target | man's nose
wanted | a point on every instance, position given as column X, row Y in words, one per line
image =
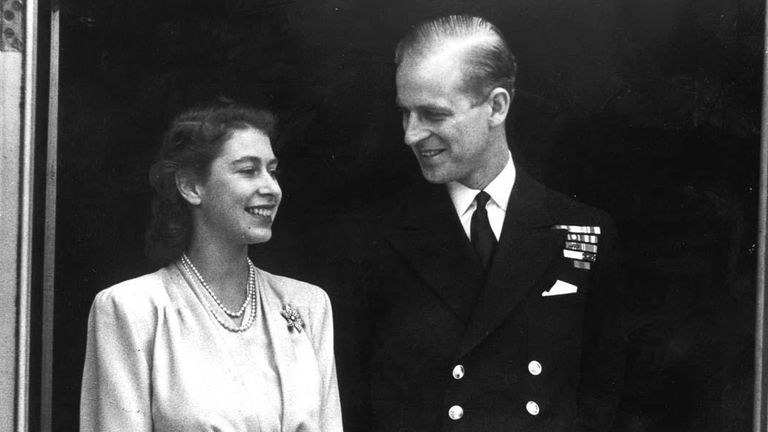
column 414, row 129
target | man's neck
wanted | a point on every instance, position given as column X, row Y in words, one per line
column 483, row 178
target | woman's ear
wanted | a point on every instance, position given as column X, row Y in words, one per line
column 189, row 187
column 500, row 101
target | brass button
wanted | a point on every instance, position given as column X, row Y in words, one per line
column 458, row 372
column 456, row 412
column 534, row 367
column 532, row 408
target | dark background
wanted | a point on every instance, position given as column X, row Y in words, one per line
column 647, row 109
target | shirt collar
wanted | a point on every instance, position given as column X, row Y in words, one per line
column 499, row 189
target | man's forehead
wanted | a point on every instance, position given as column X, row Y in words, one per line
column 430, row 89
column 429, row 85
column 432, row 104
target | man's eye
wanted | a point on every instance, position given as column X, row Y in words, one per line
column 433, row 116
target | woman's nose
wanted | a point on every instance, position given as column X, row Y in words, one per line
column 270, row 186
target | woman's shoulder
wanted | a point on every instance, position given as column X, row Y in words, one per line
column 141, row 293
column 297, row 292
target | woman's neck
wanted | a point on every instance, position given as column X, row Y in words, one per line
column 223, row 267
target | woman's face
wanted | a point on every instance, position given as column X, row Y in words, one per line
column 239, row 200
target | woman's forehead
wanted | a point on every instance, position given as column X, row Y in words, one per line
column 247, row 142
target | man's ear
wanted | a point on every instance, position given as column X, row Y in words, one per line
column 500, row 101
column 189, row 187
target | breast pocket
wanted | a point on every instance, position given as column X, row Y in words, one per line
column 556, row 314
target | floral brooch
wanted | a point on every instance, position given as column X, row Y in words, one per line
column 293, row 317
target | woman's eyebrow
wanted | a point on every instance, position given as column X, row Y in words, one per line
column 255, row 159
column 246, row 159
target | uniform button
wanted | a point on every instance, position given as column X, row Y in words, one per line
column 532, row 408
column 456, row 412
column 458, row 372
column 534, row 367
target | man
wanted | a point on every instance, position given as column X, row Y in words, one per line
column 494, row 303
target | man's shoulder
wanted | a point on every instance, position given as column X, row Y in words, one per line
column 570, row 214
column 572, row 209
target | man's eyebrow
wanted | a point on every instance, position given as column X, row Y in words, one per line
column 435, row 108
column 427, row 107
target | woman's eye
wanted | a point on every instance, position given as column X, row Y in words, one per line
column 247, row 171
column 274, row 173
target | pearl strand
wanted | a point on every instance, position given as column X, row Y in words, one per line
column 250, row 297
column 247, row 321
column 187, row 262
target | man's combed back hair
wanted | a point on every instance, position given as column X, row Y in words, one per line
column 488, row 61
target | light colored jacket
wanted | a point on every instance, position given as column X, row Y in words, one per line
column 157, row 360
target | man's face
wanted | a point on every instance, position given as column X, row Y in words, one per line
column 445, row 127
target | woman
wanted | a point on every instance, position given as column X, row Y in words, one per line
column 210, row 342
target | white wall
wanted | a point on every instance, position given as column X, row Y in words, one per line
column 18, row 48
column 10, row 197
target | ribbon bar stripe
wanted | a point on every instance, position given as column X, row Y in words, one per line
column 582, row 256
column 582, row 265
column 584, row 238
column 581, row 247
column 576, row 229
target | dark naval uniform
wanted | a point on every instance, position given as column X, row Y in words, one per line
column 536, row 344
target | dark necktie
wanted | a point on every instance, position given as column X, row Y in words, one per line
column 480, row 230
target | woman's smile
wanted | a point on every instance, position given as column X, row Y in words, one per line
column 262, row 212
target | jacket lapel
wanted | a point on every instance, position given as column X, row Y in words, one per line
column 430, row 238
column 526, row 248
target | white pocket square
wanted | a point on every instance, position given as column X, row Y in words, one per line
column 560, row 288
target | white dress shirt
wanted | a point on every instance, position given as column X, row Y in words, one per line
column 499, row 189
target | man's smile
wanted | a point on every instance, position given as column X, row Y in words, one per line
column 429, row 153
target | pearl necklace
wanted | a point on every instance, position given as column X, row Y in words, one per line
column 250, row 298
column 187, row 262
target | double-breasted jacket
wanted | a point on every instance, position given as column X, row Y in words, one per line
column 534, row 343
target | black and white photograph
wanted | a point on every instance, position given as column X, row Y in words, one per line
column 422, row 216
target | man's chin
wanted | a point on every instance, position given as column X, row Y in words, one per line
column 435, row 177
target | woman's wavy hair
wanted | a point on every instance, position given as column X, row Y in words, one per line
column 191, row 143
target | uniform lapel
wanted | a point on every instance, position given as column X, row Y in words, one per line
column 527, row 246
column 430, row 238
